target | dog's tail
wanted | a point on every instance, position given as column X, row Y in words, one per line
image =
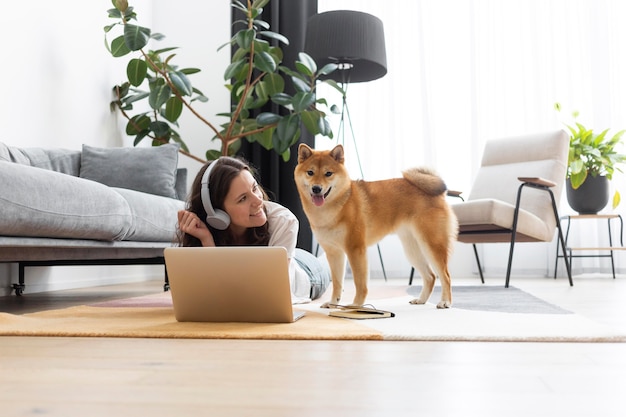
column 426, row 180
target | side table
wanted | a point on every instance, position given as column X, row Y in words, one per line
column 610, row 249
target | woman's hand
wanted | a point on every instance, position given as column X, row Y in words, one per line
column 191, row 224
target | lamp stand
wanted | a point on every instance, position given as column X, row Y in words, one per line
column 341, row 136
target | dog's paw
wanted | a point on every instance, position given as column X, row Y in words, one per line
column 417, row 301
column 330, row 304
column 444, row 304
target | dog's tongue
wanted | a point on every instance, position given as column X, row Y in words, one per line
column 318, row 200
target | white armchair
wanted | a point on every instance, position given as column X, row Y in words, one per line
column 515, row 195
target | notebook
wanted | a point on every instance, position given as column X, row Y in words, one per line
column 230, row 284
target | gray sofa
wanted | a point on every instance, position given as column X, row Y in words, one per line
column 97, row 206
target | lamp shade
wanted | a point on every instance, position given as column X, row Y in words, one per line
column 354, row 40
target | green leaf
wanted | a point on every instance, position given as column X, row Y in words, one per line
column 136, row 37
column 161, row 129
column 261, row 91
column 277, row 53
column 140, row 136
column 234, row 68
column 310, row 120
column 265, row 62
column 189, row 71
column 266, row 118
column 114, row 14
column 239, row 5
column 576, row 165
column 159, row 94
column 137, row 124
column 578, row 178
column 261, row 45
column 286, row 155
column 173, row 109
column 335, row 109
column 303, row 69
column 334, row 85
column 324, row 127
column 181, row 82
column 308, row 62
column 259, row 4
column 120, row 5
column 136, row 71
column 327, row 69
column 302, row 101
column 264, row 138
column 274, row 35
column 282, row 99
column 286, row 131
column 164, row 50
column 273, row 84
column 118, row 47
column 136, row 97
column 244, row 38
column 300, row 85
column 213, row 154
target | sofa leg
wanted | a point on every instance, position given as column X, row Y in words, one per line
column 19, row 287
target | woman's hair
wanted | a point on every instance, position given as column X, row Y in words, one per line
column 221, row 177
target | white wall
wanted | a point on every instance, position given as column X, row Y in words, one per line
column 57, row 85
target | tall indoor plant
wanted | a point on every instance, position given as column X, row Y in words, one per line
column 592, row 161
column 255, row 77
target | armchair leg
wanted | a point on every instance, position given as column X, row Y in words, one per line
column 508, row 267
column 558, row 225
column 562, row 241
column 480, row 269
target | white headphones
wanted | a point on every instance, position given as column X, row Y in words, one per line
column 218, row 219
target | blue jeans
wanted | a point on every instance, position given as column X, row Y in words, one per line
column 317, row 269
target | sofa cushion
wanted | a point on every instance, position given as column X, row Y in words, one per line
column 38, row 202
column 154, row 217
column 151, row 170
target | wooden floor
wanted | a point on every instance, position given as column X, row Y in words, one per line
column 152, row 377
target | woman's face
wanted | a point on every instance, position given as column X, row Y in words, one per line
column 244, row 203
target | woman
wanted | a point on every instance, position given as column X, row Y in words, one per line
column 227, row 207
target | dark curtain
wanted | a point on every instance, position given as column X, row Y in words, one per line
column 287, row 17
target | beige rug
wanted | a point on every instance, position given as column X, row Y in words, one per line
column 152, row 317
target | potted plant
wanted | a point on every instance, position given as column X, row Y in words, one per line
column 254, row 78
column 591, row 163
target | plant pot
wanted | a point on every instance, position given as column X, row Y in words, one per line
column 591, row 197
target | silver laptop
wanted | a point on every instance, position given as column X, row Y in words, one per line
column 230, row 284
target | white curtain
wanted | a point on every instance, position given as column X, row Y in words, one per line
column 464, row 71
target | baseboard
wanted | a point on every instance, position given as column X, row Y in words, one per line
column 45, row 279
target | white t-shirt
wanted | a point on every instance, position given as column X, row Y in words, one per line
column 283, row 227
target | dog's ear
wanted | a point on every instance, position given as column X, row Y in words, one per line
column 304, row 152
column 337, row 153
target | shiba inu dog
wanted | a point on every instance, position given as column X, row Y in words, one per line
column 347, row 216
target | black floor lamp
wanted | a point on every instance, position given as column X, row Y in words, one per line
column 355, row 41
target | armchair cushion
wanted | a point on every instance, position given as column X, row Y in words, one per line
column 491, row 215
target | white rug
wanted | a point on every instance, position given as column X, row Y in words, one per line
column 481, row 313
